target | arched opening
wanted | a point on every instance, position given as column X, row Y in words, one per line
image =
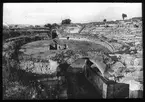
column 54, row 34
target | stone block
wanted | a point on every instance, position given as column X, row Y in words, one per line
column 136, row 94
column 107, row 88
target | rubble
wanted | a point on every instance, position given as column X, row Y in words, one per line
column 118, row 69
column 136, row 75
column 117, row 65
column 135, row 81
column 40, row 67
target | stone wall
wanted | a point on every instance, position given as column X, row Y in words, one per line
column 10, row 55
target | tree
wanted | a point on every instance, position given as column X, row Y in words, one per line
column 54, row 25
column 16, row 26
column 48, row 25
column 105, row 22
column 124, row 15
column 31, row 26
column 37, row 26
column 66, row 21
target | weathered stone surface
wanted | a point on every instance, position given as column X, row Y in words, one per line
column 53, row 66
column 125, row 58
column 132, row 48
column 136, row 75
column 135, row 80
column 39, row 67
column 136, row 94
column 108, row 88
column 134, row 85
column 116, row 66
column 100, row 65
column 138, row 61
column 77, row 65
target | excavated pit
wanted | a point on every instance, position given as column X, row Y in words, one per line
column 35, row 58
column 32, row 54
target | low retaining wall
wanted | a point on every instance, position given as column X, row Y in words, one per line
column 12, row 45
column 103, row 43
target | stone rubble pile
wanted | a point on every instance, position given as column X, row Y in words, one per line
column 127, row 41
column 128, row 69
column 125, row 65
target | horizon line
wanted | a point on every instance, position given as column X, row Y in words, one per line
column 74, row 22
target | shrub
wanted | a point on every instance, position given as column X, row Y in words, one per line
column 48, row 25
column 124, row 15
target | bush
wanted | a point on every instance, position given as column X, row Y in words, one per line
column 48, row 25
column 54, row 25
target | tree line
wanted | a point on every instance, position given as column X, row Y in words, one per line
column 55, row 25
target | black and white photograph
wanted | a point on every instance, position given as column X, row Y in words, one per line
column 62, row 50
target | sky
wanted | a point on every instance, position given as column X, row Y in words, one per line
column 42, row 13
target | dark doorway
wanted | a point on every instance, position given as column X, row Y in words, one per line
column 54, row 34
column 53, row 47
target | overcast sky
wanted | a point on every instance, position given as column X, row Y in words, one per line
column 42, row 13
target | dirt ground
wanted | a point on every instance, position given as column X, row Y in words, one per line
column 40, row 48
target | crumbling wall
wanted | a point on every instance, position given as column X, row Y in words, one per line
column 10, row 54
